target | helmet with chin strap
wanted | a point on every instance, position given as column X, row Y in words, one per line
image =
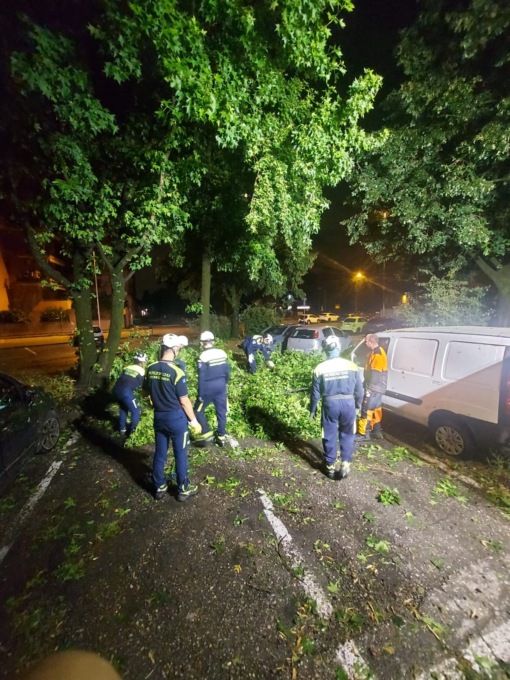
column 330, row 344
column 171, row 341
column 207, row 337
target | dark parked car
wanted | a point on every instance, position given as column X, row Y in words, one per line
column 98, row 337
column 28, row 424
column 379, row 323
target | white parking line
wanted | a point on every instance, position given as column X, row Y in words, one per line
column 312, row 588
column 352, row 662
column 493, row 645
column 29, row 506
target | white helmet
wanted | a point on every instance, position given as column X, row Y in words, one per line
column 330, row 343
column 183, row 340
column 140, row 356
column 207, row 336
column 171, row 340
column 268, row 339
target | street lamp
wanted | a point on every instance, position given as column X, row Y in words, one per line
column 358, row 279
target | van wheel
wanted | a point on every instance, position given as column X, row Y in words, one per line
column 453, row 438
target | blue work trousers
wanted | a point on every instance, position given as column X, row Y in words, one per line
column 128, row 404
column 171, row 427
column 338, row 416
column 251, row 358
column 218, row 397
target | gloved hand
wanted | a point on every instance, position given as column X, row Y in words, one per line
column 312, row 415
column 270, row 364
column 195, row 427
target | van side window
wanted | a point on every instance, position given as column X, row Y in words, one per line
column 465, row 358
column 415, row 355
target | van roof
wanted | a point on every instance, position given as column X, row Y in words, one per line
column 493, row 331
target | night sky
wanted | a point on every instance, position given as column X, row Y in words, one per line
column 368, row 41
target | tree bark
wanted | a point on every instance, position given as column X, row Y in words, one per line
column 233, row 296
column 205, row 295
column 116, row 324
column 500, row 277
column 82, row 298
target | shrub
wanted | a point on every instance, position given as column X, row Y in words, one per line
column 272, row 404
column 255, row 319
column 54, row 314
column 219, row 325
column 13, row 316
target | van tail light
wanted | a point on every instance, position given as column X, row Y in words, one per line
column 316, row 335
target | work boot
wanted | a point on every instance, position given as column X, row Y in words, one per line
column 203, row 439
column 330, row 471
column 345, row 469
column 187, row 492
column 160, row 492
column 362, row 437
column 376, row 434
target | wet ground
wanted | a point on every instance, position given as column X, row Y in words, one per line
column 272, row 571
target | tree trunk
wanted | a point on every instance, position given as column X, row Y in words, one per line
column 233, row 296
column 82, row 297
column 500, row 277
column 205, row 295
column 116, row 324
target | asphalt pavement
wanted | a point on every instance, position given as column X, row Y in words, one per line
column 272, row 571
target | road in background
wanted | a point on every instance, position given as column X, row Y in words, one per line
column 53, row 354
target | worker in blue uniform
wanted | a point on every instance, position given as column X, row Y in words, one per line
column 165, row 383
column 213, row 377
column 337, row 382
column 254, row 344
column 124, row 390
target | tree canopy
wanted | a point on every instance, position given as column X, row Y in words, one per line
column 438, row 188
column 109, row 108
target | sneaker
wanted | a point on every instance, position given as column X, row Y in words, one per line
column 190, row 490
column 223, row 440
column 161, row 492
column 331, row 471
column 345, row 469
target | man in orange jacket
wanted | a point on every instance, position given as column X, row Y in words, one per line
column 375, row 382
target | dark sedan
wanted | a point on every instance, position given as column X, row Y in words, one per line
column 28, row 424
column 379, row 323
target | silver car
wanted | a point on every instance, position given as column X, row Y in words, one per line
column 279, row 332
column 310, row 339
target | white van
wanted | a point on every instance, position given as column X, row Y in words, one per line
column 455, row 380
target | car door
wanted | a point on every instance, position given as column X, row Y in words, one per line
column 17, row 428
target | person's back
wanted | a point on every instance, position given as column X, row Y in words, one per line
column 160, row 382
column 338, row 376
column 213, row 377
column 212, row 366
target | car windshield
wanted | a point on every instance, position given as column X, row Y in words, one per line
column 275, row 330
column 305, row 333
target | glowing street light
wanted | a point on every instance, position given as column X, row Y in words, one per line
column 358, row 279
